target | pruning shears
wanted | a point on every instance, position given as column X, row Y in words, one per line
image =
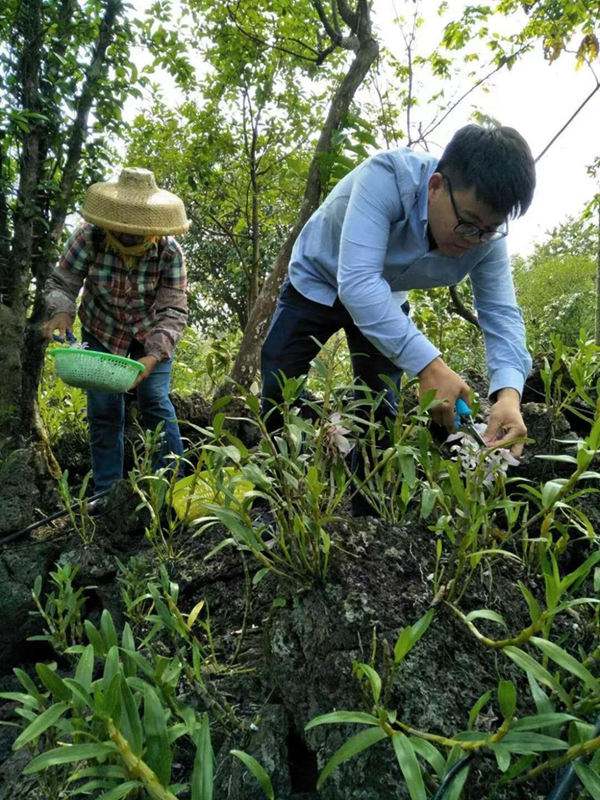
column 70, row 337
column 463, row 421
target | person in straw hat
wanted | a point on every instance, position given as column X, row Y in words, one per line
column 133, row 304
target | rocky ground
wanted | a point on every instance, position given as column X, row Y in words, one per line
column 297, row 653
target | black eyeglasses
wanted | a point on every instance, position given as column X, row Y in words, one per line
column 468, row 229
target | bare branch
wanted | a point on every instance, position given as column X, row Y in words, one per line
column 569, row 121
column 428, row 131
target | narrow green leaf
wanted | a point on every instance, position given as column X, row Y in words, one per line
column 131, row 725
column 535, row 611
column 95, row 639
column 112, row 667
column 540, row 673
column 372, row 677
column 85, row 668
column 551, row 490
column 45, row 720
column 108, row 630
column 568, row 662
column 356, row 744
column 486, row 613
column 27, row 684
column 524, row 743
column 257, row 770
column 122, row 790
column 589, row 778
column 477, row 706
column 158, row 754
column 342, row 717
column 204, row 762
column 53, row 682
column 430, row 753
column 541, row 721
column 409, row 766
column 69, row 754
column 502, row 755
column 19, row 697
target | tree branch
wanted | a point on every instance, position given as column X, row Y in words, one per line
column 460, row 308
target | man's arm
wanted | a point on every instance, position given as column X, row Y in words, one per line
column 508, row 360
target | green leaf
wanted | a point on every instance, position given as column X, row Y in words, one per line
column 430, row 753
column 27, row 684
column 477, row 706
column 454, row 791
column 342, row 717
column 130, row 724
column 540, row 673
column 409, row 766
column 507, row 698
column 485, row 613
column 535, row 611
column 257, row 770
column 69, row 754
column 589, row 778
column 45, row 720
column 372, row 677
column 204, row 762
column 411, row 635
column 53, row 682
column 158, row 753
column 502, row 755
column 356, row 744
column 95, row 639
column 540, row 721
column 568, row 662
column 551, row 490
column 85, row 668
column 580, row 573
column 121, row 791
column 524, row 742
column 107, row 629
column 112, row 667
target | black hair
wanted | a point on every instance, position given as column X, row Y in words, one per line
column 495, row 161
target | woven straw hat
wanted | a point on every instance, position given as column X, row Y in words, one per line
column 134, row 204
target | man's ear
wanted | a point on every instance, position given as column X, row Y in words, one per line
column 436, row 182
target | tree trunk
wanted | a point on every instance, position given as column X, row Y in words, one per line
column 31, row 342
column 246, row 363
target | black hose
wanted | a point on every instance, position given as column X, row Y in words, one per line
column 449, row 777
column 57, row 515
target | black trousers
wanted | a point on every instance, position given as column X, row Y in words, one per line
column 298, row 329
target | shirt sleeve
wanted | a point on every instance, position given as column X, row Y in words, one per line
column 375, row 202
column 171, row 306
column 66, row 279
column 501, row 320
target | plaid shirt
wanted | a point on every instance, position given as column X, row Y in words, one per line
column 147, row 302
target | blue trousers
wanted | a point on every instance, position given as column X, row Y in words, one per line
column 106, row 419
column 298, row 330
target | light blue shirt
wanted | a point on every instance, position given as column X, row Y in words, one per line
column 368, row 244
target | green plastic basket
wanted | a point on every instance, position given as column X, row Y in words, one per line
column 90, row 369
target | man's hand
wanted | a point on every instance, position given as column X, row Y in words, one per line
column 449, row 386
column 505, row 422
column 62, row 323
column 149, row 363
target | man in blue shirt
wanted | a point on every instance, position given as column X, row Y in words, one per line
column 402, row 220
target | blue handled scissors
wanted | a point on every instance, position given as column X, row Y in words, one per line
column 463, row 420
column 70, row 337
